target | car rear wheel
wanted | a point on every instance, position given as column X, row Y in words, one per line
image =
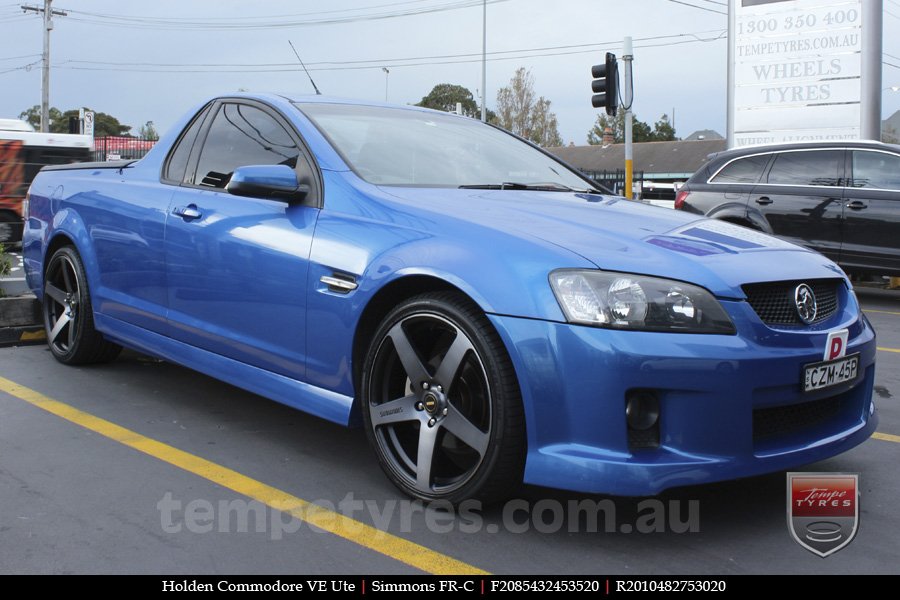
column 68, row 316
column 441, row 402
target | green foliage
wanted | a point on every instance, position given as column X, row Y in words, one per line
column 444, row 97
column 662, row 131
column 5, row 262
column 104, row 124
column 521, row 113
column 148, row 131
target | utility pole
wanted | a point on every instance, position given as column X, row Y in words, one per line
column 627, row 100
column 387, row 72
column 483, row 58
column 48, row 12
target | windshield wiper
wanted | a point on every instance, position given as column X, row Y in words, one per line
column 512, row 185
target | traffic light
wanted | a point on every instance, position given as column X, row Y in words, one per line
column 605, row 85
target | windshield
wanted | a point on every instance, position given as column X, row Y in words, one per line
column 396, row 146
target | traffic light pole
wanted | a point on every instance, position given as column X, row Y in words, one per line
column 627, row 98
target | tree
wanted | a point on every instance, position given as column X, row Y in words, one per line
column 662, row 131
column 544, row 126
column 33, row 116
column 148, row 131
column 519, row 112
column 444, row 96
column 104, row 124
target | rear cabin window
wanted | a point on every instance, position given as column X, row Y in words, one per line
column 743, row 170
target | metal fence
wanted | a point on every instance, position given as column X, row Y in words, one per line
column 614, row 181
column 121, row 148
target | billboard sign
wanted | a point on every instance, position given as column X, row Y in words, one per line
column 795, row 70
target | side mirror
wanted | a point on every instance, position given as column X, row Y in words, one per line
column 275, row 182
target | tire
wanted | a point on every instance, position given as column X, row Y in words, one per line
column 441, row 403
column 68, row 315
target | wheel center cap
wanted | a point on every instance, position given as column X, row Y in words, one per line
column 431, row 402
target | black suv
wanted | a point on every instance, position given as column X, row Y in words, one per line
column 839, row 198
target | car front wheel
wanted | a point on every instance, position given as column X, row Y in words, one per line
column 441, row 402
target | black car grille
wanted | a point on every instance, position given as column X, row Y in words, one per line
column 774, row 302
column 779, row 420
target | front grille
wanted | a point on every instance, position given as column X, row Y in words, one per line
column 774, row 301
column 779, row 420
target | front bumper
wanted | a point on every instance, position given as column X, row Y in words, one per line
column 711, row 389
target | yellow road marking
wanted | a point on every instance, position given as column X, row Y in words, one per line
column 887, row 437
column 889, row 349
column 881, row 312
column 390, row 545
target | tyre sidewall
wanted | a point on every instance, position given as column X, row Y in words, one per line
column 84, row 304
column 503, row 394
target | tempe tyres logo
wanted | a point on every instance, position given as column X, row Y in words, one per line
column 823, row 510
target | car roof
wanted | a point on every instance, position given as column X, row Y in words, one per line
column 301, row 99
column 781, row 147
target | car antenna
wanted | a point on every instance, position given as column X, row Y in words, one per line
column 297, row 54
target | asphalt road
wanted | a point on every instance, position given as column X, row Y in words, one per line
column 144, row 467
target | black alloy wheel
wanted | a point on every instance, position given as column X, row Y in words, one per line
column 442, row 405
column 68, row 316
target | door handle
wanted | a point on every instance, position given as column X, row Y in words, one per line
column 764, row 200
column 188, row 213
column 857, row 205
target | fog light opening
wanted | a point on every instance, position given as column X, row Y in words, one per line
column 641, row 410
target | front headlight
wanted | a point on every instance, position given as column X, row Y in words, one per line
column 625, row 301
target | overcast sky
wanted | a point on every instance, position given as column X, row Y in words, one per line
column 142, row 61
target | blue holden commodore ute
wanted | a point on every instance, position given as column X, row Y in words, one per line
column 486, row 313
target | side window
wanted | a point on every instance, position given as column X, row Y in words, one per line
column 743, row 170
column 877, row 170
column 817, row 167
column 242, row 135
column 178, row 160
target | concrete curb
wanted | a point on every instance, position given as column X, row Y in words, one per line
column 20, row 311
column 22, row 336
column 14, row 287
column 20, row 321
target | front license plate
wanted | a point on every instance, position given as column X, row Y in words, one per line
column 825, row 374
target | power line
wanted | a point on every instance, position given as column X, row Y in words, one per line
column 210, row 19
column 21, row 68
column 718, row 12
column 18, row 57
column 377, row 62
column 206, row 25
column 351, row 66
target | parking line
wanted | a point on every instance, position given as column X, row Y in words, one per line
column 889, row 349
column 887, row 437
column 389, row 545
column 881, row 312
